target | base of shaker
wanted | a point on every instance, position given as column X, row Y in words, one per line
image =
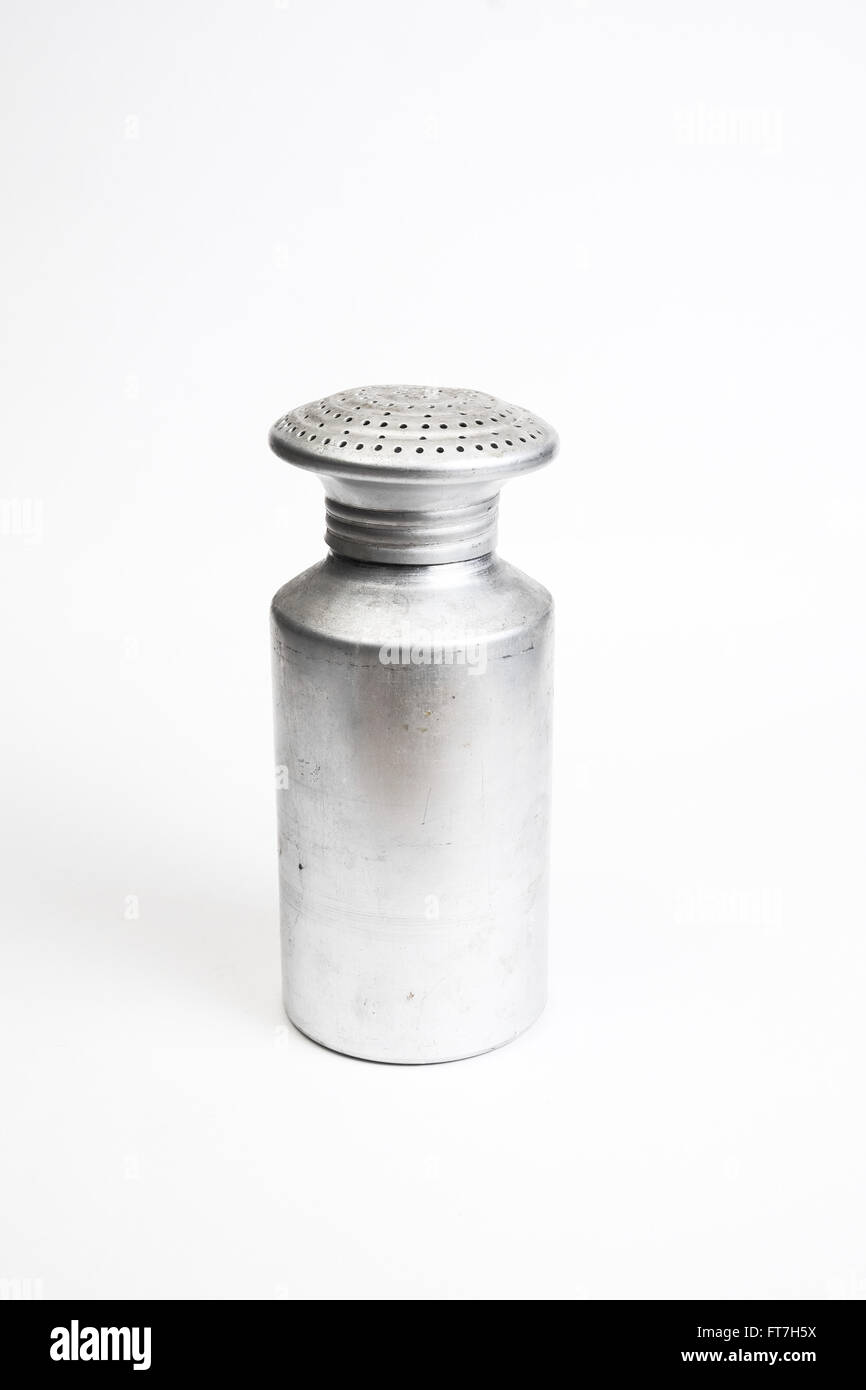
column 416, row 1061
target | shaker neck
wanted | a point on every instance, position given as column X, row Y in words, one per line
column 431, row 536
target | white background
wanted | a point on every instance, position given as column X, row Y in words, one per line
column 645, row 222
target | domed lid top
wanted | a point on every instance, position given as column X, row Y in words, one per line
column 414, row 434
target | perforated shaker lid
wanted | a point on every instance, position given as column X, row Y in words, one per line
column 412, row 473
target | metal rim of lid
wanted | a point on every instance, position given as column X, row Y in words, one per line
column 414, row 434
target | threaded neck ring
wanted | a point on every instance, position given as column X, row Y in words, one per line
column 429, row 537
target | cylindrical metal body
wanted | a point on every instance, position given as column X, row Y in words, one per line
column 413, row 726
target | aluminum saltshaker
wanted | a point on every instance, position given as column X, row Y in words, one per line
column 412, row 691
